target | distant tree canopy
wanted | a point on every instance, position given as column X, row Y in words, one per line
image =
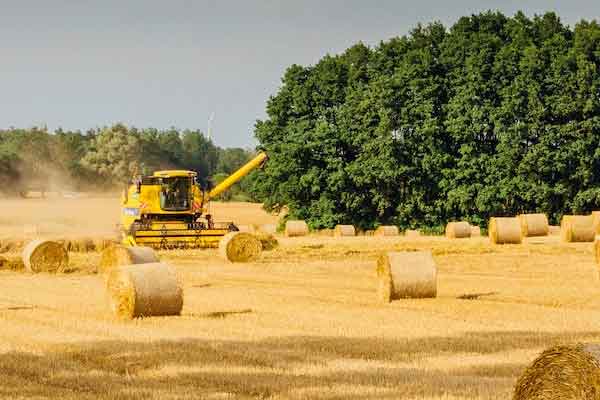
column 106, row 157
column 493, row 116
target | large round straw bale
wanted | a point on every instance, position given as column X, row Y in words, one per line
column 534, row 225
column 370, row 232
column 458, row 230
column 596, row 216
column 64, row 243
column 144, row 290
column 118, row 255
column 246, row 228
column 475, row 231
column 387, row 230
column 577, row 228
column 240, row 247
column 505, row 230
column 267, row 240
column 562, row 372
column 344, row 230
column 268, row 228
column 45, row 256
column 406, row 275
column 296, row 228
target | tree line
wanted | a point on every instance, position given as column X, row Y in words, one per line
column 107, row 157
column 492, row 116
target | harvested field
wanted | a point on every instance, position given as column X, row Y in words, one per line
column 301, row 322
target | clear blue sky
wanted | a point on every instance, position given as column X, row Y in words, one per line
column 80, row 64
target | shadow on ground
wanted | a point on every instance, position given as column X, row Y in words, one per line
column 290, row 367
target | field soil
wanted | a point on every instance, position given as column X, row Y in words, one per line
column 303, row 322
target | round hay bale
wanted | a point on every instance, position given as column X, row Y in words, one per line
column 534, row 225
column 296, row 228
column 387, row 230
column 475, row 231
column 144, row 290
column 596, row 216
column 118, row 255
column 562, row 372
column 577, row 228
column 458, row 230
column 370, row 232
column 45, row 256
column 268, row 228
column 344, row 230
column 504, row 230
column 246, row 228
column 407, row 274
column 240, row 247
column 267, row 240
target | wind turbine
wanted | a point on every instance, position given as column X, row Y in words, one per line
column 210, row 120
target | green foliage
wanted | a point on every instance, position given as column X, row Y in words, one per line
column 493, row 116
column 113, row 153
column 232, row 159
column 108, row 157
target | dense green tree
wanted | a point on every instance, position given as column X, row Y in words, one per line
column 199, row 154
column 114, row 153
column 494, row 116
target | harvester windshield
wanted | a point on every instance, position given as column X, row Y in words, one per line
column 175, row 193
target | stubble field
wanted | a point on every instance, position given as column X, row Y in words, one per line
column 301, row 323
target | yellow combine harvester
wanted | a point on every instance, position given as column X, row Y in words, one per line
column 170, row 210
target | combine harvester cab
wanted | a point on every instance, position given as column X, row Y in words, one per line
column 170, row 210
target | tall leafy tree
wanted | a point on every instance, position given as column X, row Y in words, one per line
column 494, row 116
column 114, row 153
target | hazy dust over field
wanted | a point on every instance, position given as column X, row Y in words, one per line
column 302, row 322
column 83, row 214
